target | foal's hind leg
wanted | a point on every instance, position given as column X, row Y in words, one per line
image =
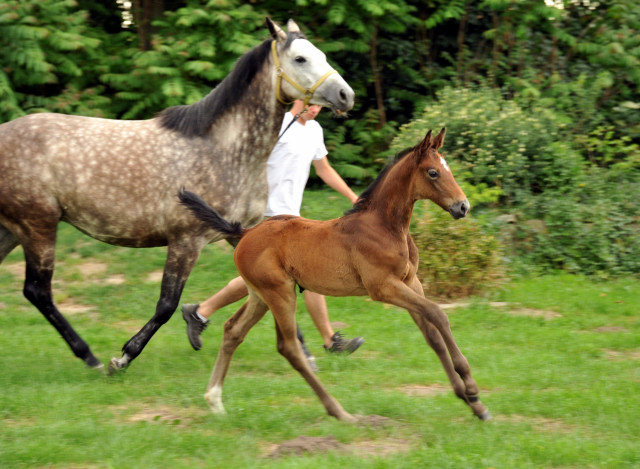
column 283, row 309
column 39, row 256
column 235, row 330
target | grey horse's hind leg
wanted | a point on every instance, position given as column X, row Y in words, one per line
column 8, row 242
column 181, row 257
column 39, row 257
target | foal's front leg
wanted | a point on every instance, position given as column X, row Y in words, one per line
column 434, row 324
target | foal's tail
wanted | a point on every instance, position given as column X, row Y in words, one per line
column 210, row 216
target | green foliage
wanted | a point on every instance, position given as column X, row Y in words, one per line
column 558, row 89
column 591, row 227
column 458, row 258
column 570, row 214
column 497, row 144
column 45, row 45
column 194, row 48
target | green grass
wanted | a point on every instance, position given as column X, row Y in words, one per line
column 557, row 366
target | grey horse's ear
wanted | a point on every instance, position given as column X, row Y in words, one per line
column 292, row 27
column 276, row 31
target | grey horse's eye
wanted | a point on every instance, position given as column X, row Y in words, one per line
column 300, row 60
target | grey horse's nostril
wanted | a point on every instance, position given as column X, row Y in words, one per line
column 343, row 95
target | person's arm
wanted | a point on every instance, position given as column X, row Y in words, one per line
column 298, row 106
column 329, row 175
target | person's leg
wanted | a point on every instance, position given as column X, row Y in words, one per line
column 317, row 307
column 333, row 341
column 233, row 291
column 196, row 315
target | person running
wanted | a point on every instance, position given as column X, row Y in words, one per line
column 301, row 144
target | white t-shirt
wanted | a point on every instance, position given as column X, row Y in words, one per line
column 289, row 165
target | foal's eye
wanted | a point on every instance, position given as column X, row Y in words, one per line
column 300, row 60
column 433, row 174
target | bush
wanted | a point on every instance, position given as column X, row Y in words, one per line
column 497, row 144
column 593, row 228
column 458, row 258
column 573, row 212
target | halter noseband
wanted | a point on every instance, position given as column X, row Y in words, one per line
column 308, row 93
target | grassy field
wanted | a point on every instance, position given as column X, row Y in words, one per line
column 556, row 358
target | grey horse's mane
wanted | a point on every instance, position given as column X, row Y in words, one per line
column 195, row 120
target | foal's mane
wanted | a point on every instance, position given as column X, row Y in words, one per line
column 195, row 120
column 363, row 200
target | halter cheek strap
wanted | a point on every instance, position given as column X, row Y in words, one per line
column 308, row 93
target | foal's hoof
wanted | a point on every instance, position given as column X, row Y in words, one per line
column 115, row 366
column 486, row 415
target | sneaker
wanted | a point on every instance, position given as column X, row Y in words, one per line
column 341, row 345
column 310, row 358
column 195, row 325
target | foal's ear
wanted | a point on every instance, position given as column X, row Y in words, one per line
column 292, row 27
column 276, row 31
column 439, row 139
column 426, row 142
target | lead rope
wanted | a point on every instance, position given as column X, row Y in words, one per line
column 290, row 124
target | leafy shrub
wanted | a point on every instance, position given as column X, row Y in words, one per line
column 497, row 144
column 573, row 212
column 458, row 258
column 593, row 228
column 45, row 47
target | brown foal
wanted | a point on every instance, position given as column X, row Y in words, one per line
column 368, row 251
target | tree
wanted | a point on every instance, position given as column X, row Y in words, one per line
column 43, row 48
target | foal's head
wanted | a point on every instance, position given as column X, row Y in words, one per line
column 434, row 180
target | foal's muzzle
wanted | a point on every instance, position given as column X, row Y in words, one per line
column 459, row 209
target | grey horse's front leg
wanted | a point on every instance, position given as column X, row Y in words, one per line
column 181, row 258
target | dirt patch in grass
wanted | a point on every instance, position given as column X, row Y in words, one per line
column 69, row 306
column 610, row 329
column 154, row 277
column 540, row 424
column 304, row 444
column 128, row 325
column 15, row 268
column 515, row 310
column 622, row 355
column 91, row 269
column 324, row 444
column 534, row 313
column 95, row 272
column 160, row 414
column 428, row 390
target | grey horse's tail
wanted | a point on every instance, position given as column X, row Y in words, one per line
column 210, row 216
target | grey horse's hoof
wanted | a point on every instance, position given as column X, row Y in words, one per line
column 486, row 415
column 93, row 362
column 115, row 367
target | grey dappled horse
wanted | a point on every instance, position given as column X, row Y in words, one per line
column 118, row 181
